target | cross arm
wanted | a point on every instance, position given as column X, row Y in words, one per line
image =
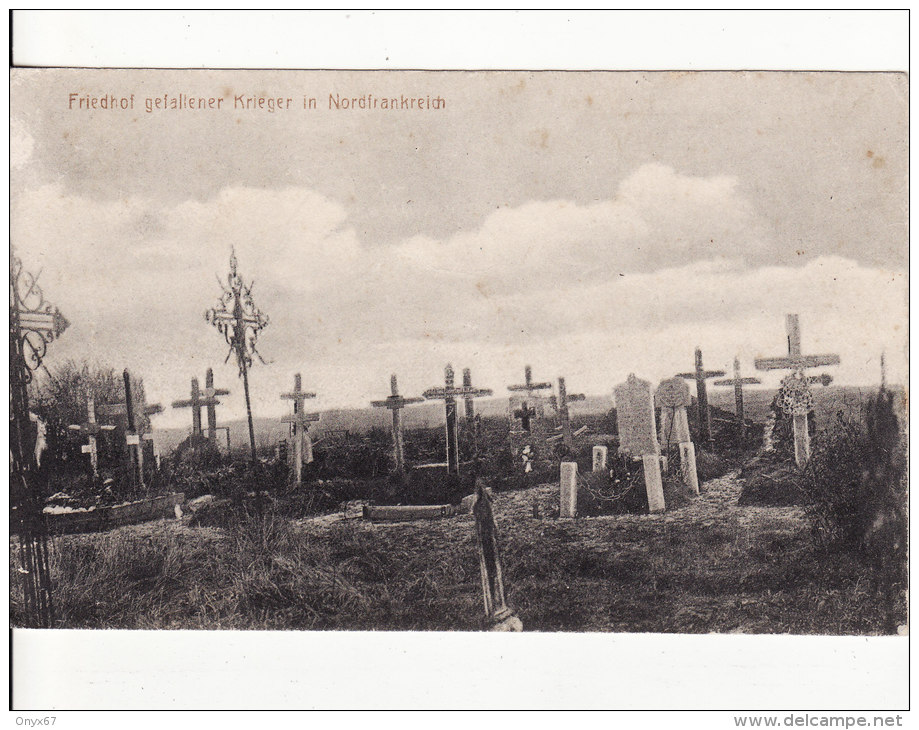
column 531, row 386
column 300, row 395
column 187, row 403
column 741, row 381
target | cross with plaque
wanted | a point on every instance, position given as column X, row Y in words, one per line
column 91, row 430
column 738, row 383
column 449, row 393
column 637, row 437
column 672, row 397
column 396, row 403
column 560, row 404
column 301, row 422
column 796, row 397
column 700, row 375
column 134, row 436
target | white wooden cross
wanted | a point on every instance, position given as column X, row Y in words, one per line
column 796, row 383
column 91, row 430
column 301, row 423
column 396, row 403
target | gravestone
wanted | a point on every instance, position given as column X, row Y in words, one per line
column 568, row 489
column 498, row 615
column 672, row 397
column 600, row 454
column 637, row 437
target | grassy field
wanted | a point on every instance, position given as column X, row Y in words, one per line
column 707, row 566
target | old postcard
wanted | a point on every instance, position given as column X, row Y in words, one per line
column 459, row 351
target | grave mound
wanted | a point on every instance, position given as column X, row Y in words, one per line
column 771, row 480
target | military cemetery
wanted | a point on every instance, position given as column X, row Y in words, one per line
column 574, row 473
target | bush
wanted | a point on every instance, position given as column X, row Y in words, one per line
column 855, row 483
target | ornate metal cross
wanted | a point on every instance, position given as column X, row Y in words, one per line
column 796, row 395
column 91, row 429
column 396, row 403
column 738, row 383
column 700, row 375
column 34, row 324
column 449, row 393
column 301, row 423
column 239, row 321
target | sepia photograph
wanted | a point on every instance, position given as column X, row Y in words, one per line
column 459, row 351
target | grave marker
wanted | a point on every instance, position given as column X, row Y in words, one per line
column 796, row 397
column 449, row 394
column 672, row 397
column 210, row 400
column 700, row 375
column 195, row 402
column 600, row 454
column 568, row 489
column 560, row 404
column 396, row 403
column 499, row 616
column 91, row 430
column 738, row 383
column 635, row 421
column 134, row 436
column 301, row 423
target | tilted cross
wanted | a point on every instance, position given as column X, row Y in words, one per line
column 135, row 436
column 560, row 404
column 797, row 362
column 700, row 375
column 301, row 422
column 738, row 383
column 91, row 430
column 210, row 400
column 449, row 393
column 396, row 403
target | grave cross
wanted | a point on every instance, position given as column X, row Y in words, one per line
column 560, row 404
column 210, row 399
column 91, row 430
column 524, row 413
column 396, row 403
column 135, row 436
column 449, row 394
column 529, row 386
column 795, row 386
column 700, row 375
column 738, row 383
column 301, row 423
column 195, row 403
column 498, row 615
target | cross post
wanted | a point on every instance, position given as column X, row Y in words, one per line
column 797, row 362
column 91, row 430
column 700, row 375
column 396, row 403
column 560, row 404
column 448, row 394
column 738, row 383
column 301, row 423
column 210, row 399
column 195, row 403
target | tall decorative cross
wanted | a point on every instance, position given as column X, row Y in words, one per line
column 738, row 383
column 700, row 375
column 195, row 403
column 797, row 399
column 210, row 399
column 34, row 324
column 560, row 404
column 498, row 615
column 91, row 429
column 134, row 436
column 449, row 393
column 239, row 321
column 396, row 403
column 301, row 423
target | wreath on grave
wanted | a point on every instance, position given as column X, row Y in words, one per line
column 795, row 396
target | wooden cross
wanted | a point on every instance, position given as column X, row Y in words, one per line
column 195, row 403
column 797, row 362
column 524, row 414
column 449, row 394
column 135, row 435
column 301, row 423
column 498, row 615
column 560, row 404
column 91, row 430
column 528, row 385
column 738, row 383
column 396, row 403
column 700, row 375
column 210, row 400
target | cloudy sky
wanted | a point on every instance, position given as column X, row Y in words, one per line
column 589, row 224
